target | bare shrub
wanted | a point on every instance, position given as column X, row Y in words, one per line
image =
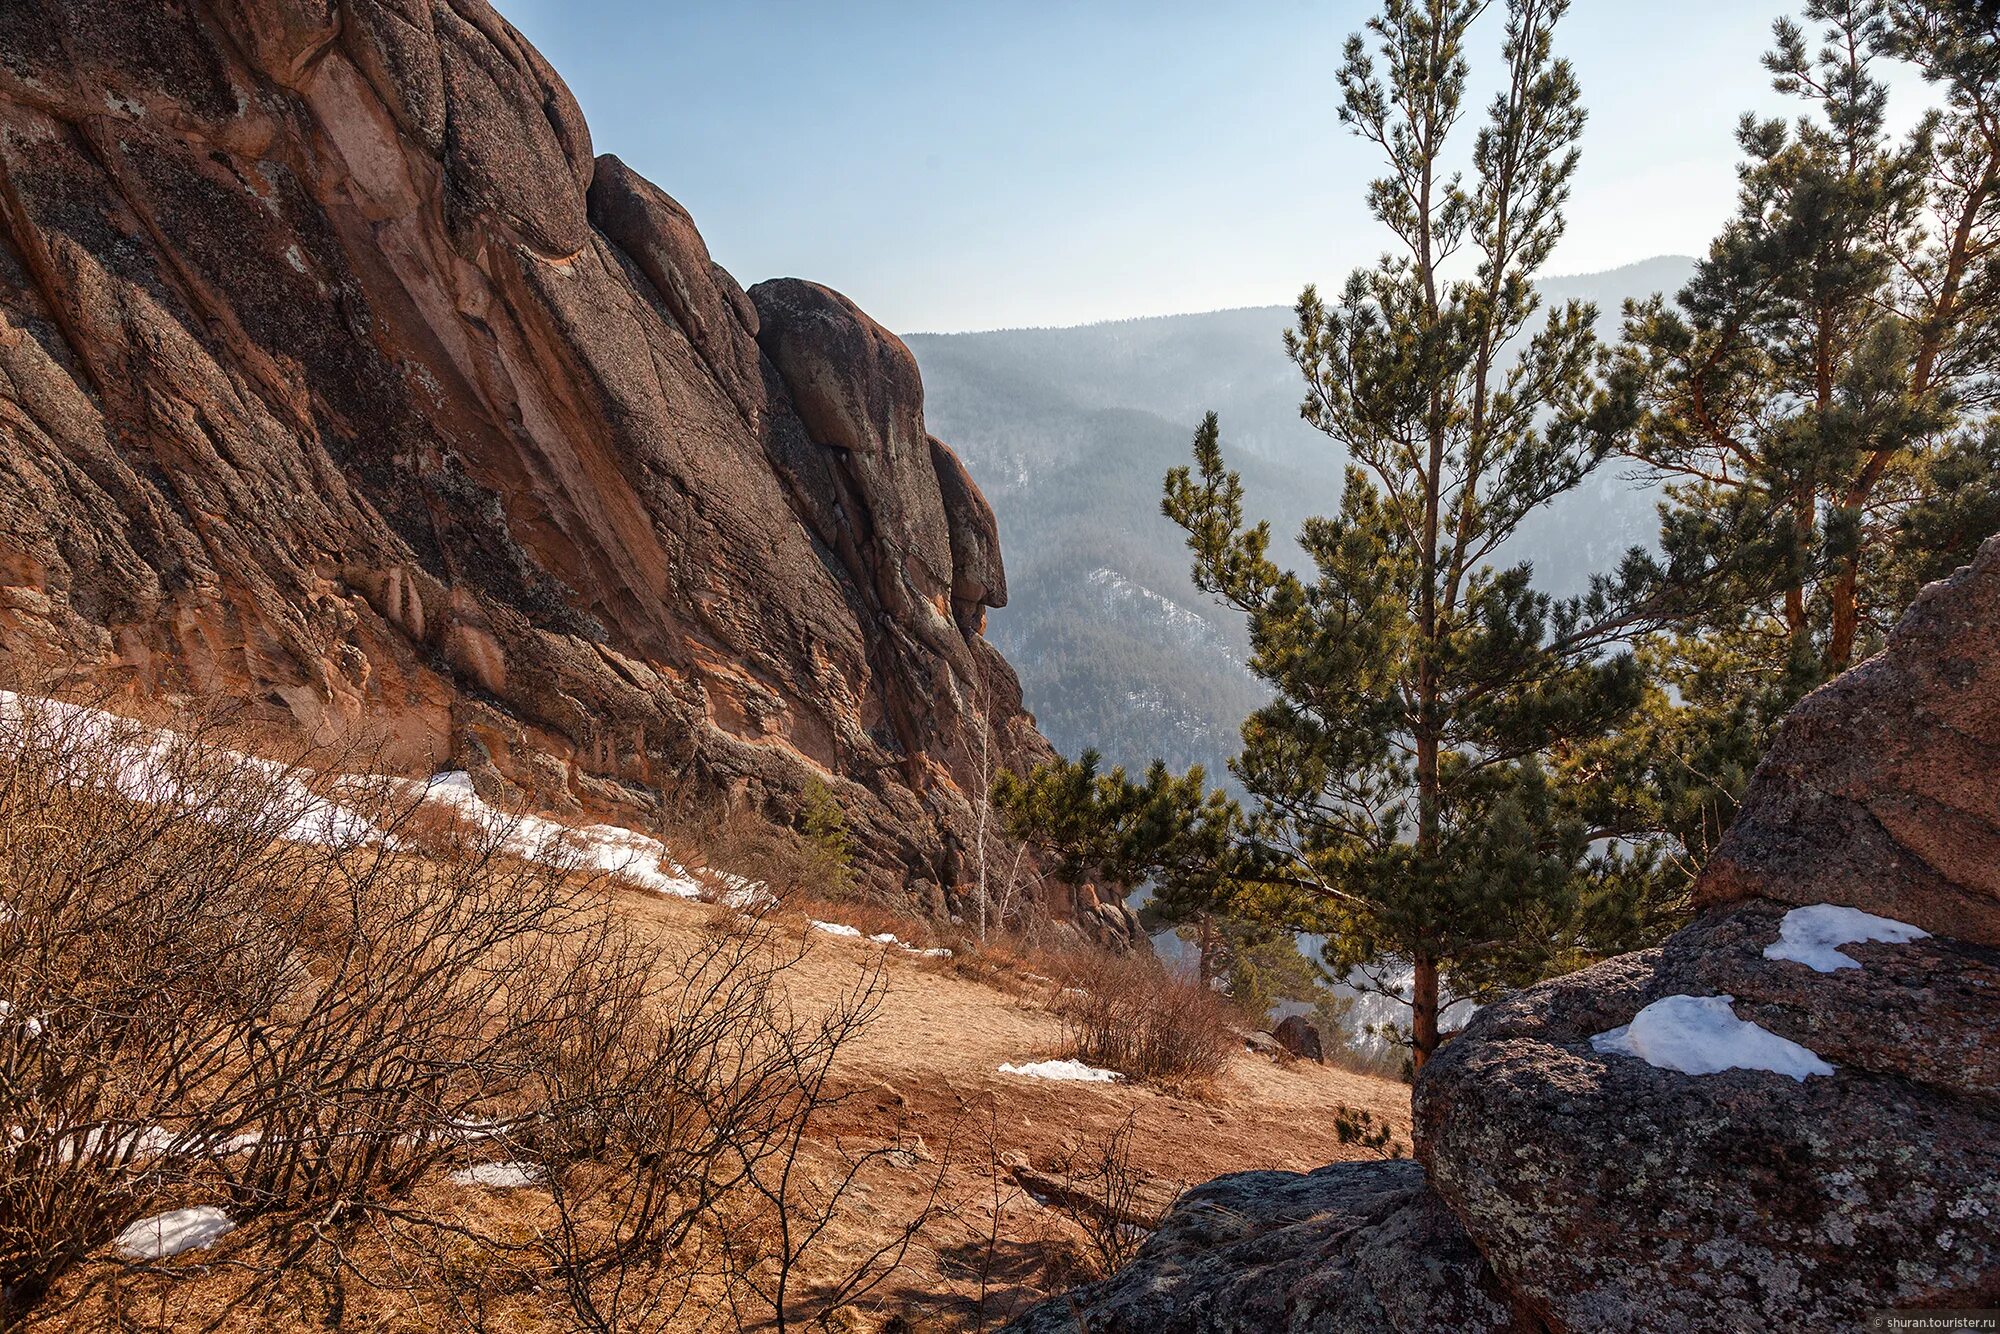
column 298, row 996
column 1129, row 1013
column 672, row 1136
column 1111, row 1200
column 791, row 866
column 134, row 934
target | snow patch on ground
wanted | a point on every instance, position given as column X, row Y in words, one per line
column 886, row 938
column 172, row 1232
column 146, row 764
column 30, row 1026
column 145, row 772
column 1701, row 1035
column 1075, row 1071
column 497, row 1176
column 1812, row 936
column 609, row 849
column 741, row 893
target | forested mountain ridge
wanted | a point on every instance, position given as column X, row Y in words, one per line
column 1070, row 431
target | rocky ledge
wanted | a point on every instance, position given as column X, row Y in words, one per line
column 1815, row 1137
column 1361, row 1248
column 340, row 378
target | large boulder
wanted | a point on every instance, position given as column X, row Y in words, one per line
column 1784, row 1118
column 1650, row 1178
column 337, row 376
column 1879, row 791
column 1356, row 1248
column 1300, row 1037
column 1610, row 1193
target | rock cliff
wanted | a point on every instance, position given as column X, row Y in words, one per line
column 338, row 376
column 1576, row 1187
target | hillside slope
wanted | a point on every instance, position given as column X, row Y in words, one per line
column 1073, row 429
column 338, row 377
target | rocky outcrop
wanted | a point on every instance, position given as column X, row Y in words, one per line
column 1356, row 1248
column 1582, row 1185
column 1879, row 791
column 978, row 579
column 338, row 376
column 1611, row 1194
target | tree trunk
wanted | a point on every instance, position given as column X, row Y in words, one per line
column 1846, row 616
column 1423, row 1010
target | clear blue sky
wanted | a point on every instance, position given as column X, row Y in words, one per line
column 954, row 165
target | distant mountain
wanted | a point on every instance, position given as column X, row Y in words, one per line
column 1070, row 431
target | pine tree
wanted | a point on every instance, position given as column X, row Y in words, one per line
column 822, row 823
column 1822, row 376
column 1167, row 831
column 1817, row 399
column 1412, row 795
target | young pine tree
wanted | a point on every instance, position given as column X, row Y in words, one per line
column 1411, row 795
column 1167, row 830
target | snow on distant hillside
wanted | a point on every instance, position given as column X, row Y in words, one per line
column 1070, row 432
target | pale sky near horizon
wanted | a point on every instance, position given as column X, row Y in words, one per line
column 953, row 166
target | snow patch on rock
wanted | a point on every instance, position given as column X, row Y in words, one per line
column 1812, row 936
column 1701, row 1035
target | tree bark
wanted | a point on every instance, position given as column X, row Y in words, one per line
column 1423, row 1010
column 1844, row 595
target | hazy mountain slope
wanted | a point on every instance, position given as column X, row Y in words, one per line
column 1070, row 431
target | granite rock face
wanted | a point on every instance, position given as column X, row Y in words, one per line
column 338, row 376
